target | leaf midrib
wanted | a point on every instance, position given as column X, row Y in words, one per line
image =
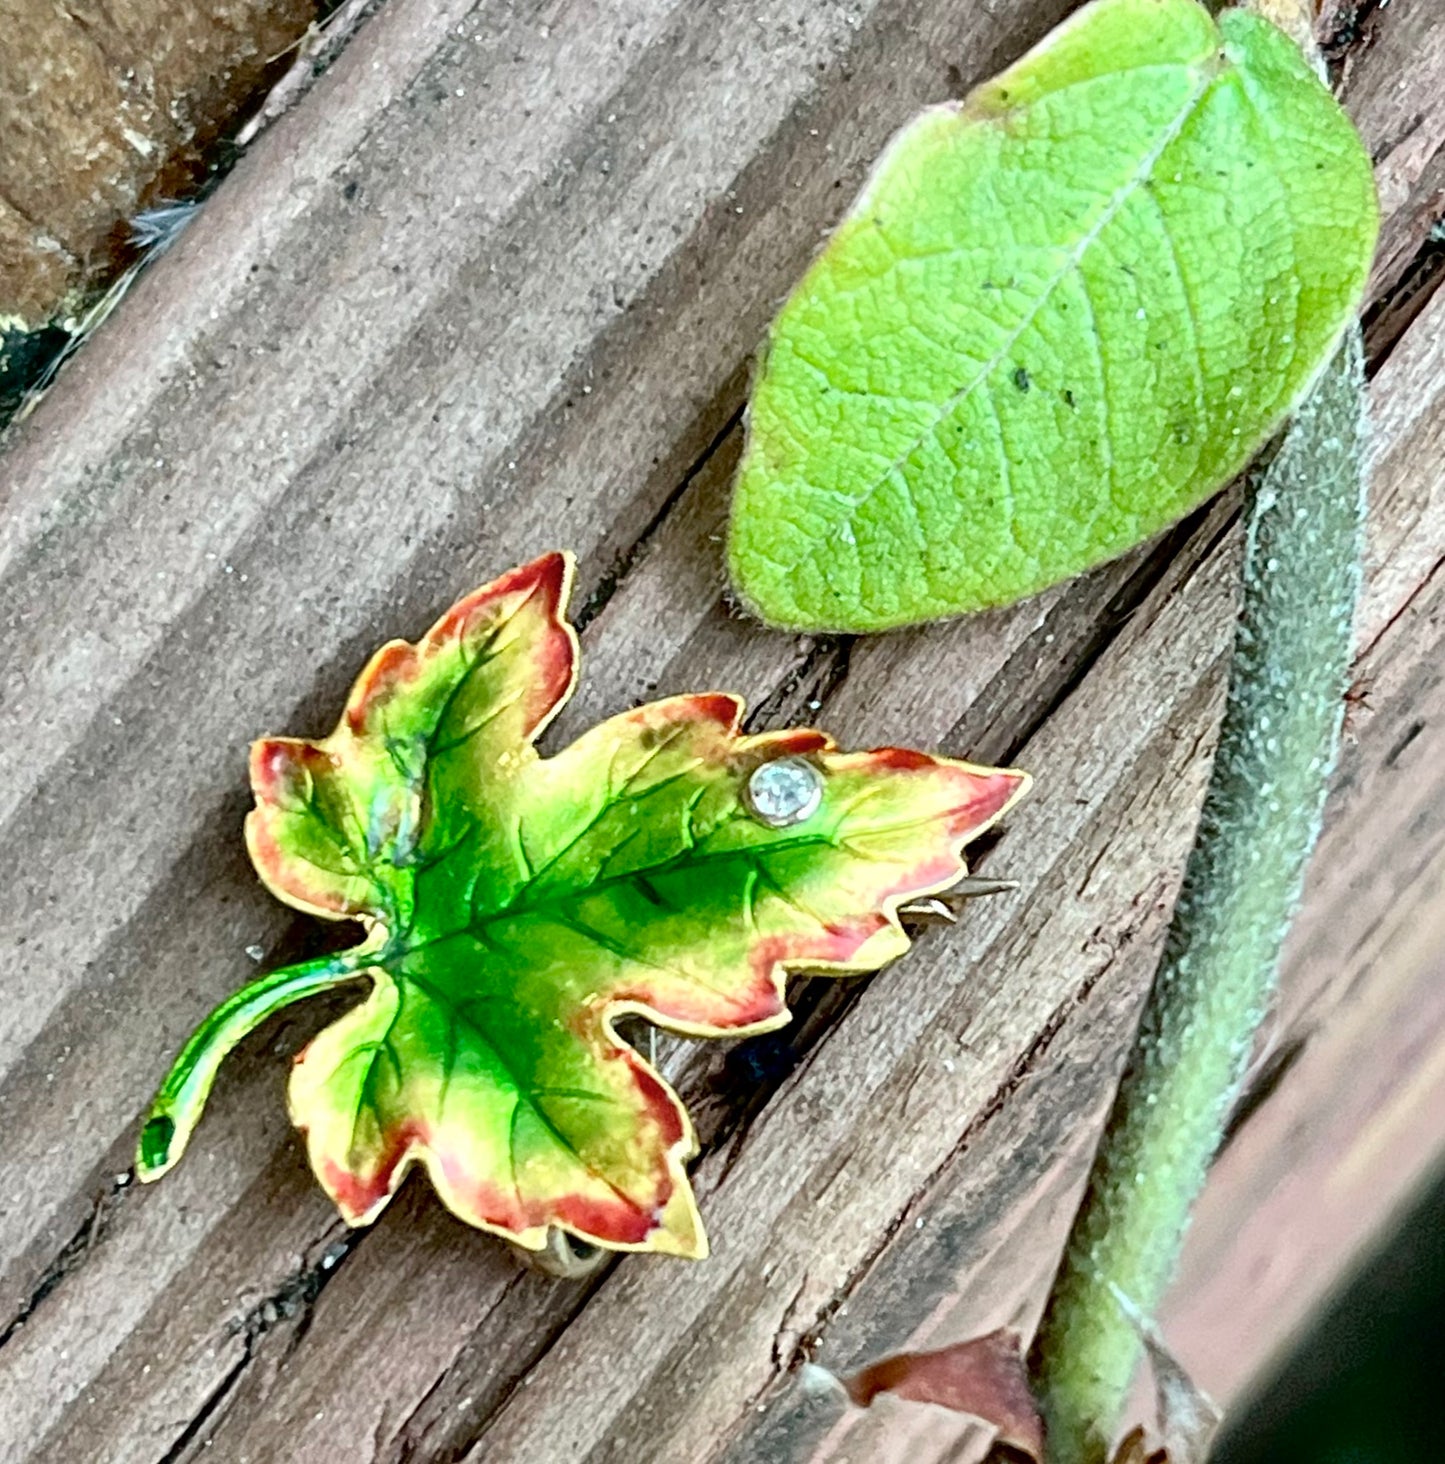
column 564, row 894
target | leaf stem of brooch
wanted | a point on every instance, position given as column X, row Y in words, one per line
column 177, row 1106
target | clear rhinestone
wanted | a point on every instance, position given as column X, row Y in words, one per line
column 785, row 791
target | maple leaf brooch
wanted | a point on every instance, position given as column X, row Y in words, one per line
column 515, row 906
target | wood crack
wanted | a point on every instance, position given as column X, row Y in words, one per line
column 1347, row 29
column 1416, row 596
column 72, row 1255
column 614, row 578
column 809, row 1339
column 1389, row 317
column 415, row 1440
column 1261, row 1085
column 290, row 1306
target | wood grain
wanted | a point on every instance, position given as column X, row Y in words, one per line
column 492, row 287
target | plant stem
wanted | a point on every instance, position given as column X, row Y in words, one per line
column 1261, row 817
column 176, row 1108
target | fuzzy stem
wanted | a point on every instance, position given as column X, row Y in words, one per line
column 1261, row 817
column 176, row 1108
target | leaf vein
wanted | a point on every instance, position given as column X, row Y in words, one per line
column 1205, row 78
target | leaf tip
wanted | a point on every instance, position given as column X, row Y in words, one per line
column 1016, row 783
column 359, row 1198
column 680, row 1230
column 278, row 769
column 550, row 577
column 996, row 791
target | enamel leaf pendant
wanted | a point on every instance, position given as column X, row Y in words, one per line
column 665, row 864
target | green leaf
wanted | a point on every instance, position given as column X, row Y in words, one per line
column 664, row 865
column 1060, row 315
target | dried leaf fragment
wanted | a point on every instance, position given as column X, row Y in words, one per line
column 984, row 1376
column 988, row 1378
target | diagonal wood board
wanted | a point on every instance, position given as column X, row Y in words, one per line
column 492, row 288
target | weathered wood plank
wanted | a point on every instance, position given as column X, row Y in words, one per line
column 378, row 356
column 362, row 401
